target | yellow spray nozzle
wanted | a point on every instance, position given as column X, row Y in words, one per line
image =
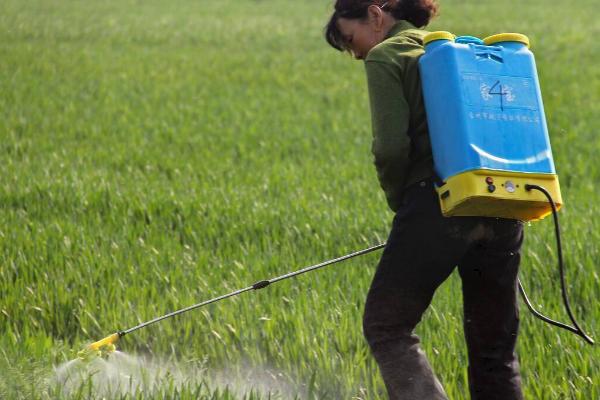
column 107, row 342
column 101, row 348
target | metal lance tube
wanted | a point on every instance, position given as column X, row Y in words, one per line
column 112, row 339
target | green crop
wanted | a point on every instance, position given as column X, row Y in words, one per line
column 157, row 154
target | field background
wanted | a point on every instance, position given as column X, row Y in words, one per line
column 156, row 154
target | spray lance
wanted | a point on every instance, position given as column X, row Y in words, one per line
column 107, row 345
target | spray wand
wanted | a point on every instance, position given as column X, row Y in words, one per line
column 107, row 345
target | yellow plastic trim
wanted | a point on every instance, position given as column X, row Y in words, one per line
column 467, row 194
column 506, row 37
column 438, row 35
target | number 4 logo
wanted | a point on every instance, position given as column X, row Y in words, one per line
column 499, row 90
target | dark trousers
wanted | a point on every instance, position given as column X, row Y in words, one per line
column 423, row 249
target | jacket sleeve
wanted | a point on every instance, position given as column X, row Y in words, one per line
column 390, row 119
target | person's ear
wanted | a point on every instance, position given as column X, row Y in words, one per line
column 375, row 16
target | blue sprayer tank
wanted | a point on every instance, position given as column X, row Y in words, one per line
column 487, row 126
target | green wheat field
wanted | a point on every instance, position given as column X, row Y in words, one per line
column 156, row 154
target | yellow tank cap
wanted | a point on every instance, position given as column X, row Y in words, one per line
column 507, row 37
column 438, row 35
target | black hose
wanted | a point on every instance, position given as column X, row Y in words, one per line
column 576, row 329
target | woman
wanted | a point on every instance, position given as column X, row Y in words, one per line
column 424, row 247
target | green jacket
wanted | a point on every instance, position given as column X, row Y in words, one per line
column 401, row 143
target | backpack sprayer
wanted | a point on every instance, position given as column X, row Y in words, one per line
column 489, row 136
column 490, row 145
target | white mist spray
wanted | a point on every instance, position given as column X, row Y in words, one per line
column 121, row 374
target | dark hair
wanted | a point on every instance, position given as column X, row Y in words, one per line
column 417, row 12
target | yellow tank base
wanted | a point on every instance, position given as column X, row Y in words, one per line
column 502, row 194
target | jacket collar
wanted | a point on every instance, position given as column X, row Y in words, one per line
column 401, row 25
